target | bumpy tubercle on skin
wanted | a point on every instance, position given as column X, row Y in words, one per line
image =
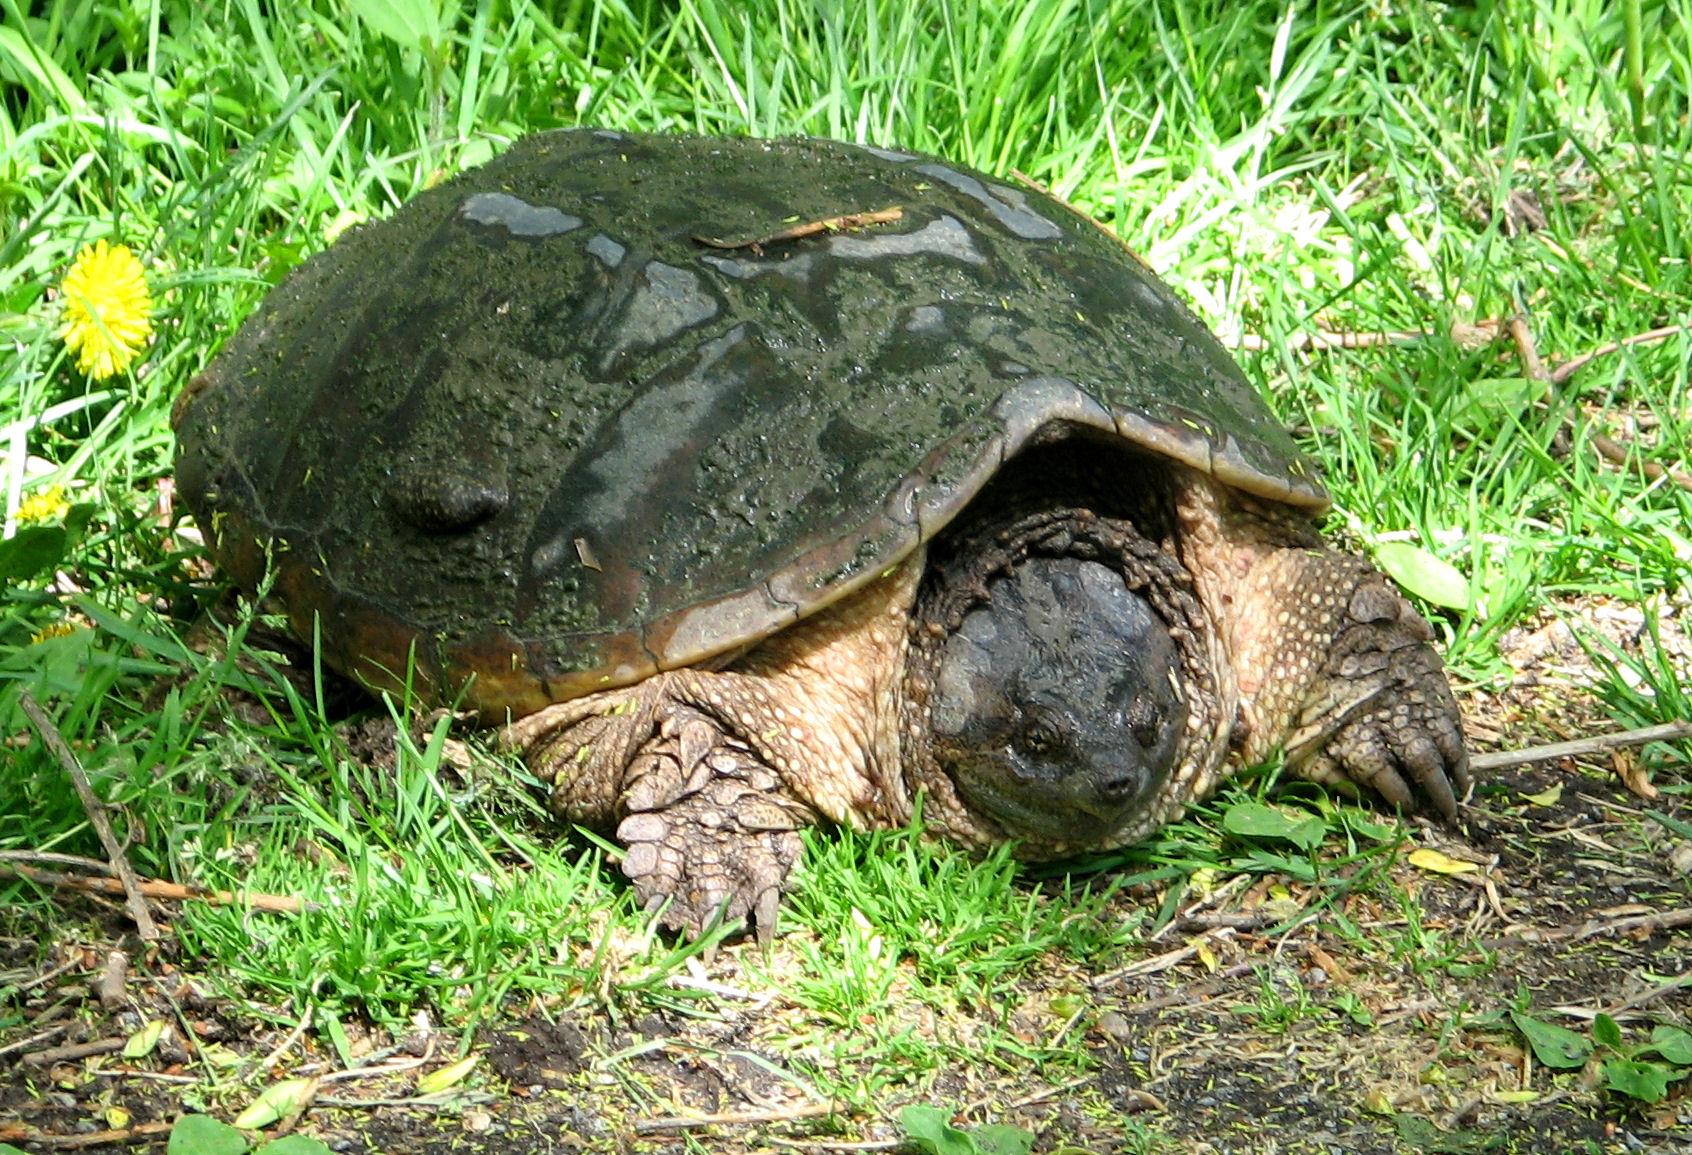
column 1244, row 557
column 817, row 703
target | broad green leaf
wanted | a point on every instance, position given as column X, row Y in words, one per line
column 1486, row 396
column 1372, row 830
column 1553, row 1046
column 449, row 1076
column 1546, row 797
column 1424, row 575
column 408, row 23
column 278, row 1101
column 930, row 1132
column 1255, row 820
column 33, row 550
column 203, row 1135
column 1002, row 1139
column 294, row 1145
column 1647, row 1082
column 1606, row 1032
column 141, row 1043
column 1673, row 1044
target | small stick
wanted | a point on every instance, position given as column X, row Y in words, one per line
column 144, row 925
column 1616, row 454
column 48, row 976
column 72, row 1051
column 153, row 888
column 1327, row 339
column 294, row 1036
column 809, row 228
column 1663, row 920
column 1606, row 447
column 1162, row 962
column 1575, row 364
column 736, row 1118
column 835, row 1145
column 38, row 1037
column 136, row 1134
column 1236, row 920
column 1598, row 744
column 1048, row 1093
column 54, row 858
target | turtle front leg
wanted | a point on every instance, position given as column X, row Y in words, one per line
column 709, row 825
column 1336, row 667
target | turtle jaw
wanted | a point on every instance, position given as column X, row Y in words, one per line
column 1080, row 807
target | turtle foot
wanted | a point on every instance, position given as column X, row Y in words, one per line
column 711, row 835
column 1383, row 716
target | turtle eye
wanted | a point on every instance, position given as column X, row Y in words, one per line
column 1143, row 721
column 1038, row 739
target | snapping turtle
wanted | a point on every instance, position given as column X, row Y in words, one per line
column 762, row 483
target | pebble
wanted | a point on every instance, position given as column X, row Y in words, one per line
column 1681, row 858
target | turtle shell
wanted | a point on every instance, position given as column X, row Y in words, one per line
column 612, row 403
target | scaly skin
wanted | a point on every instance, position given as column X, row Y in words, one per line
column 1330, row 662
column 708, row 775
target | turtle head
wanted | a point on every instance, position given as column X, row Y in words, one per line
column 1057, row 707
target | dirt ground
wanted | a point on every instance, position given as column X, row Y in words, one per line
column 1370, row 1029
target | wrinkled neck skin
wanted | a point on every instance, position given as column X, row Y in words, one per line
column 1060, row 685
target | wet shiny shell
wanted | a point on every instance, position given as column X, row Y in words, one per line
column 580, row 414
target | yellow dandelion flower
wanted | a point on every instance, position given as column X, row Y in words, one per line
column 108, row 311
column 50, row 631
column 48, row 505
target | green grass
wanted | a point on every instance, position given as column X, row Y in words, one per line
column 1350, row 168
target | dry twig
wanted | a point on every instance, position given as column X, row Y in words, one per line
column 1328, row 339
column 1616, row 453
column 136, row 1134
column 837, row 224
column 1611, row 450
column 738, row 1118
column 1575, row 364
column 73, row 1051
column 1597, row 744
column 25, row 1044
column 144, row 925
column 154, row 888
column 834, row 1144
column 1592, row 928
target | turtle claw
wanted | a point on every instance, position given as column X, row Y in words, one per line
column 694, row 866
column 711, row 837
column 1398, row 732
column 764, row 914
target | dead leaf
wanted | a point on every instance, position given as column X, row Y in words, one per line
column 1633, row 775
column 1423, row 858
column 1335, row 970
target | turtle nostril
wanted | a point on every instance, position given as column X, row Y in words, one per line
column 1122, row 785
